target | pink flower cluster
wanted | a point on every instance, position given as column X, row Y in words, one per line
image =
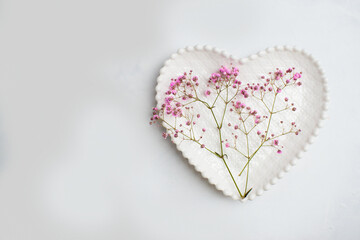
column 181, row 93
column 223, row 77
column 180, row 88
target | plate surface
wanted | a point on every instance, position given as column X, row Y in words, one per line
column 268, row 166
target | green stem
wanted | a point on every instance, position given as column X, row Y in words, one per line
column 248, row 155
column 232, row 177
column 221, row 143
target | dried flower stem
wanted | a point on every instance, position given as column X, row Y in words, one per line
column 183, row 93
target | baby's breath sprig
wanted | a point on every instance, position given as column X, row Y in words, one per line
column 183, row 93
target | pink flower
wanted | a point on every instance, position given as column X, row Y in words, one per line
column 258, row 132
column 297, row 76
column 278, row 74
column 227, row 145
column 279, row 151
column 203, row 129
column 237, row 105
column 207, row 92
column 276, row 142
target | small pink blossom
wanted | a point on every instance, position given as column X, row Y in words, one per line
column 297, row 76
column 278, row 74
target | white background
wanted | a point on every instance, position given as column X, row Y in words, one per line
column 78, row 159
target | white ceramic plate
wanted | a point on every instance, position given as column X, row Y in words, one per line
column 268, row 166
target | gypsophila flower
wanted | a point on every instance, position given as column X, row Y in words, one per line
column 177, row 113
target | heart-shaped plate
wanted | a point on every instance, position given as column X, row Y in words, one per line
column 310, row 99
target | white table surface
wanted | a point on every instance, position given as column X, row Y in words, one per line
column 78, row 159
